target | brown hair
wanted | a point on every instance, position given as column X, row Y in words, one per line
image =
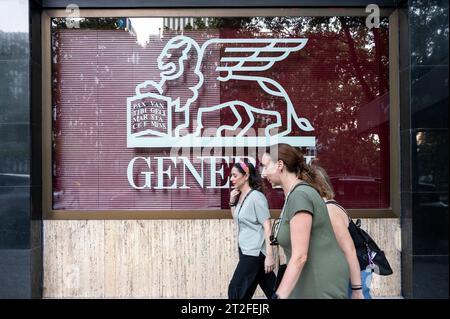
column 254, row 178
column 322, row 182
column 294, row 161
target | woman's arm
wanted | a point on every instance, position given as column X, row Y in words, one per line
column 338, row 220
column 300, row 226
column 269, row 262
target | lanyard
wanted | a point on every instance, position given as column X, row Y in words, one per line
column 242, row 204
column 237, row 213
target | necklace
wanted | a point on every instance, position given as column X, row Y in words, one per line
column 292, row 188
column 294, row 185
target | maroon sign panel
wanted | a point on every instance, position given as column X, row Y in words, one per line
column 110, row 89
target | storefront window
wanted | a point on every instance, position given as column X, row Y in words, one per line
column 151, row 113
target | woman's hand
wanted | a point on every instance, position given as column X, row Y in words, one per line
column 269, row 263
column 357, row 294
column 234, row 195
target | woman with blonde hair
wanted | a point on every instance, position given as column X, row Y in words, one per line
column 340, row 220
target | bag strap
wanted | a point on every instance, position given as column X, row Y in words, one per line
column 243, row 201
column 279, row 256
column 240, row 207
column 335, row 203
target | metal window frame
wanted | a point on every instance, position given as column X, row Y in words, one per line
column 394, row 110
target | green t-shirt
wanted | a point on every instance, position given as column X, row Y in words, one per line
column 325, row 273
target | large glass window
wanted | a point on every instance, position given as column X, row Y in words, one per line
column 150, row 113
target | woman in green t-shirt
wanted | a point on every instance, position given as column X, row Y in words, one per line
column 316, row 266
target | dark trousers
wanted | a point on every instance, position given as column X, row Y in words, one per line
column 248, row 274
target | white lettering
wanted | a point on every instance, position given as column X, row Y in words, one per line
column 191, row 168
column 209, row 310
column 250, row 159
column 146, row 174
column 214, row 171
column 373, row 19
column 161, row 172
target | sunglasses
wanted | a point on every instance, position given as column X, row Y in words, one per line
column 275, row 226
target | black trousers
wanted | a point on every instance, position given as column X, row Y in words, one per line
column 248, row 274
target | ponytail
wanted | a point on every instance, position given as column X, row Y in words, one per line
column 294, row 162
column 318, row 178
column 309, row 175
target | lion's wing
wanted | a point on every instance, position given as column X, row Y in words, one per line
column 246, row 55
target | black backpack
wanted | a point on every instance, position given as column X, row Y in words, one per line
column 370, row 256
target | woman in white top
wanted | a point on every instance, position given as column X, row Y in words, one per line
column 250, row 210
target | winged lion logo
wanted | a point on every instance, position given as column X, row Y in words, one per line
column 243, row 60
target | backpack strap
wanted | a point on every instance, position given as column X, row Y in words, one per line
column 335, row 203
